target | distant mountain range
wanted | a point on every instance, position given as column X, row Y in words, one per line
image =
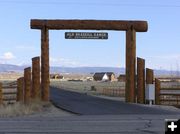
column 80, row 70
column 11, row 68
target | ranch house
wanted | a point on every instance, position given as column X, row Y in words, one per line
column 104, row 76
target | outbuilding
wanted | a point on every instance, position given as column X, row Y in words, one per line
column 104, row 76
column 100, row 77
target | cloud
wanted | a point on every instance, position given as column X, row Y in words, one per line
column 7, row 56
column 63, row 62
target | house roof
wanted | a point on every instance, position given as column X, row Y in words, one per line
column 99, row 76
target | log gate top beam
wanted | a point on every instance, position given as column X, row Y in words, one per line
column 139, row 26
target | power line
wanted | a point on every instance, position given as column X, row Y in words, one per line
column 87, row 4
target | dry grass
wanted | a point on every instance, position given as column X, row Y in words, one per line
column 19, row 109
column 86, row 86
column 10, row 76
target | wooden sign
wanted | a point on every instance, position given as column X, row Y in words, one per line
column 86, row 35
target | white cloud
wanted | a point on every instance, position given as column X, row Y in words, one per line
column 7, row 56
column 63, row 62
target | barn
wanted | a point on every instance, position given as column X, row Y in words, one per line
column 100, row 77
column 104, row 76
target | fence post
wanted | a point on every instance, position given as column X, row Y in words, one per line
column 149, row 76
column 20, row 89
column 140, row 80
column 1, row 94
column 45, row 64
column 157, row 91
column 130, row 65
column 27, row 85
column 36, row 92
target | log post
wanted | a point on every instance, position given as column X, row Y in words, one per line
column 130, row 64
column 1, row 94
column 36, row 92
column 45, row 64
column 149, row 76
column 157, row 91
column 20, row 89
column 140, row 80
column 27, row 85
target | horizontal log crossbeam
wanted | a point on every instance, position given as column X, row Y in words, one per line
column 139, row 26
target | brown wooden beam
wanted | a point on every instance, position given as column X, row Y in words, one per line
column 1, row 94
column 149, row 76
column 157, row 91
column 27, row 85
column 20, row 89
column 36, row 87
column 130, row 65
column 45, row 64
column 140, row 80
column 139, row 26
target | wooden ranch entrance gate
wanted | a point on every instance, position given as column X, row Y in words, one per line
column 131, row 27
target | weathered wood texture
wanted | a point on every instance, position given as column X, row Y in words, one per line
column 27, row 85
column 140, row 80
column 149, row 76
column 157, row 91
column 130, row 65
column 36, row 89
column 45, row 64
column 9, row 94
column 139, row 26
column 1, row 94
column 20, row 89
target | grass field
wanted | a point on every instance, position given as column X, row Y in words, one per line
column 92, row 87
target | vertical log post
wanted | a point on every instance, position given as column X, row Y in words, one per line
column 36, row 92
column 27, row 85
column 157, row 91
column 1, row 94
column 45, row 64
column 140, row 80
column 20, row 89
column 149, row 76
column 130, row 65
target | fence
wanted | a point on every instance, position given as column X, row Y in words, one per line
column 170, row 96
column 9, row 93
column 114, row 92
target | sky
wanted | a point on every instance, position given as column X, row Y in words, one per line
column 159, row 46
